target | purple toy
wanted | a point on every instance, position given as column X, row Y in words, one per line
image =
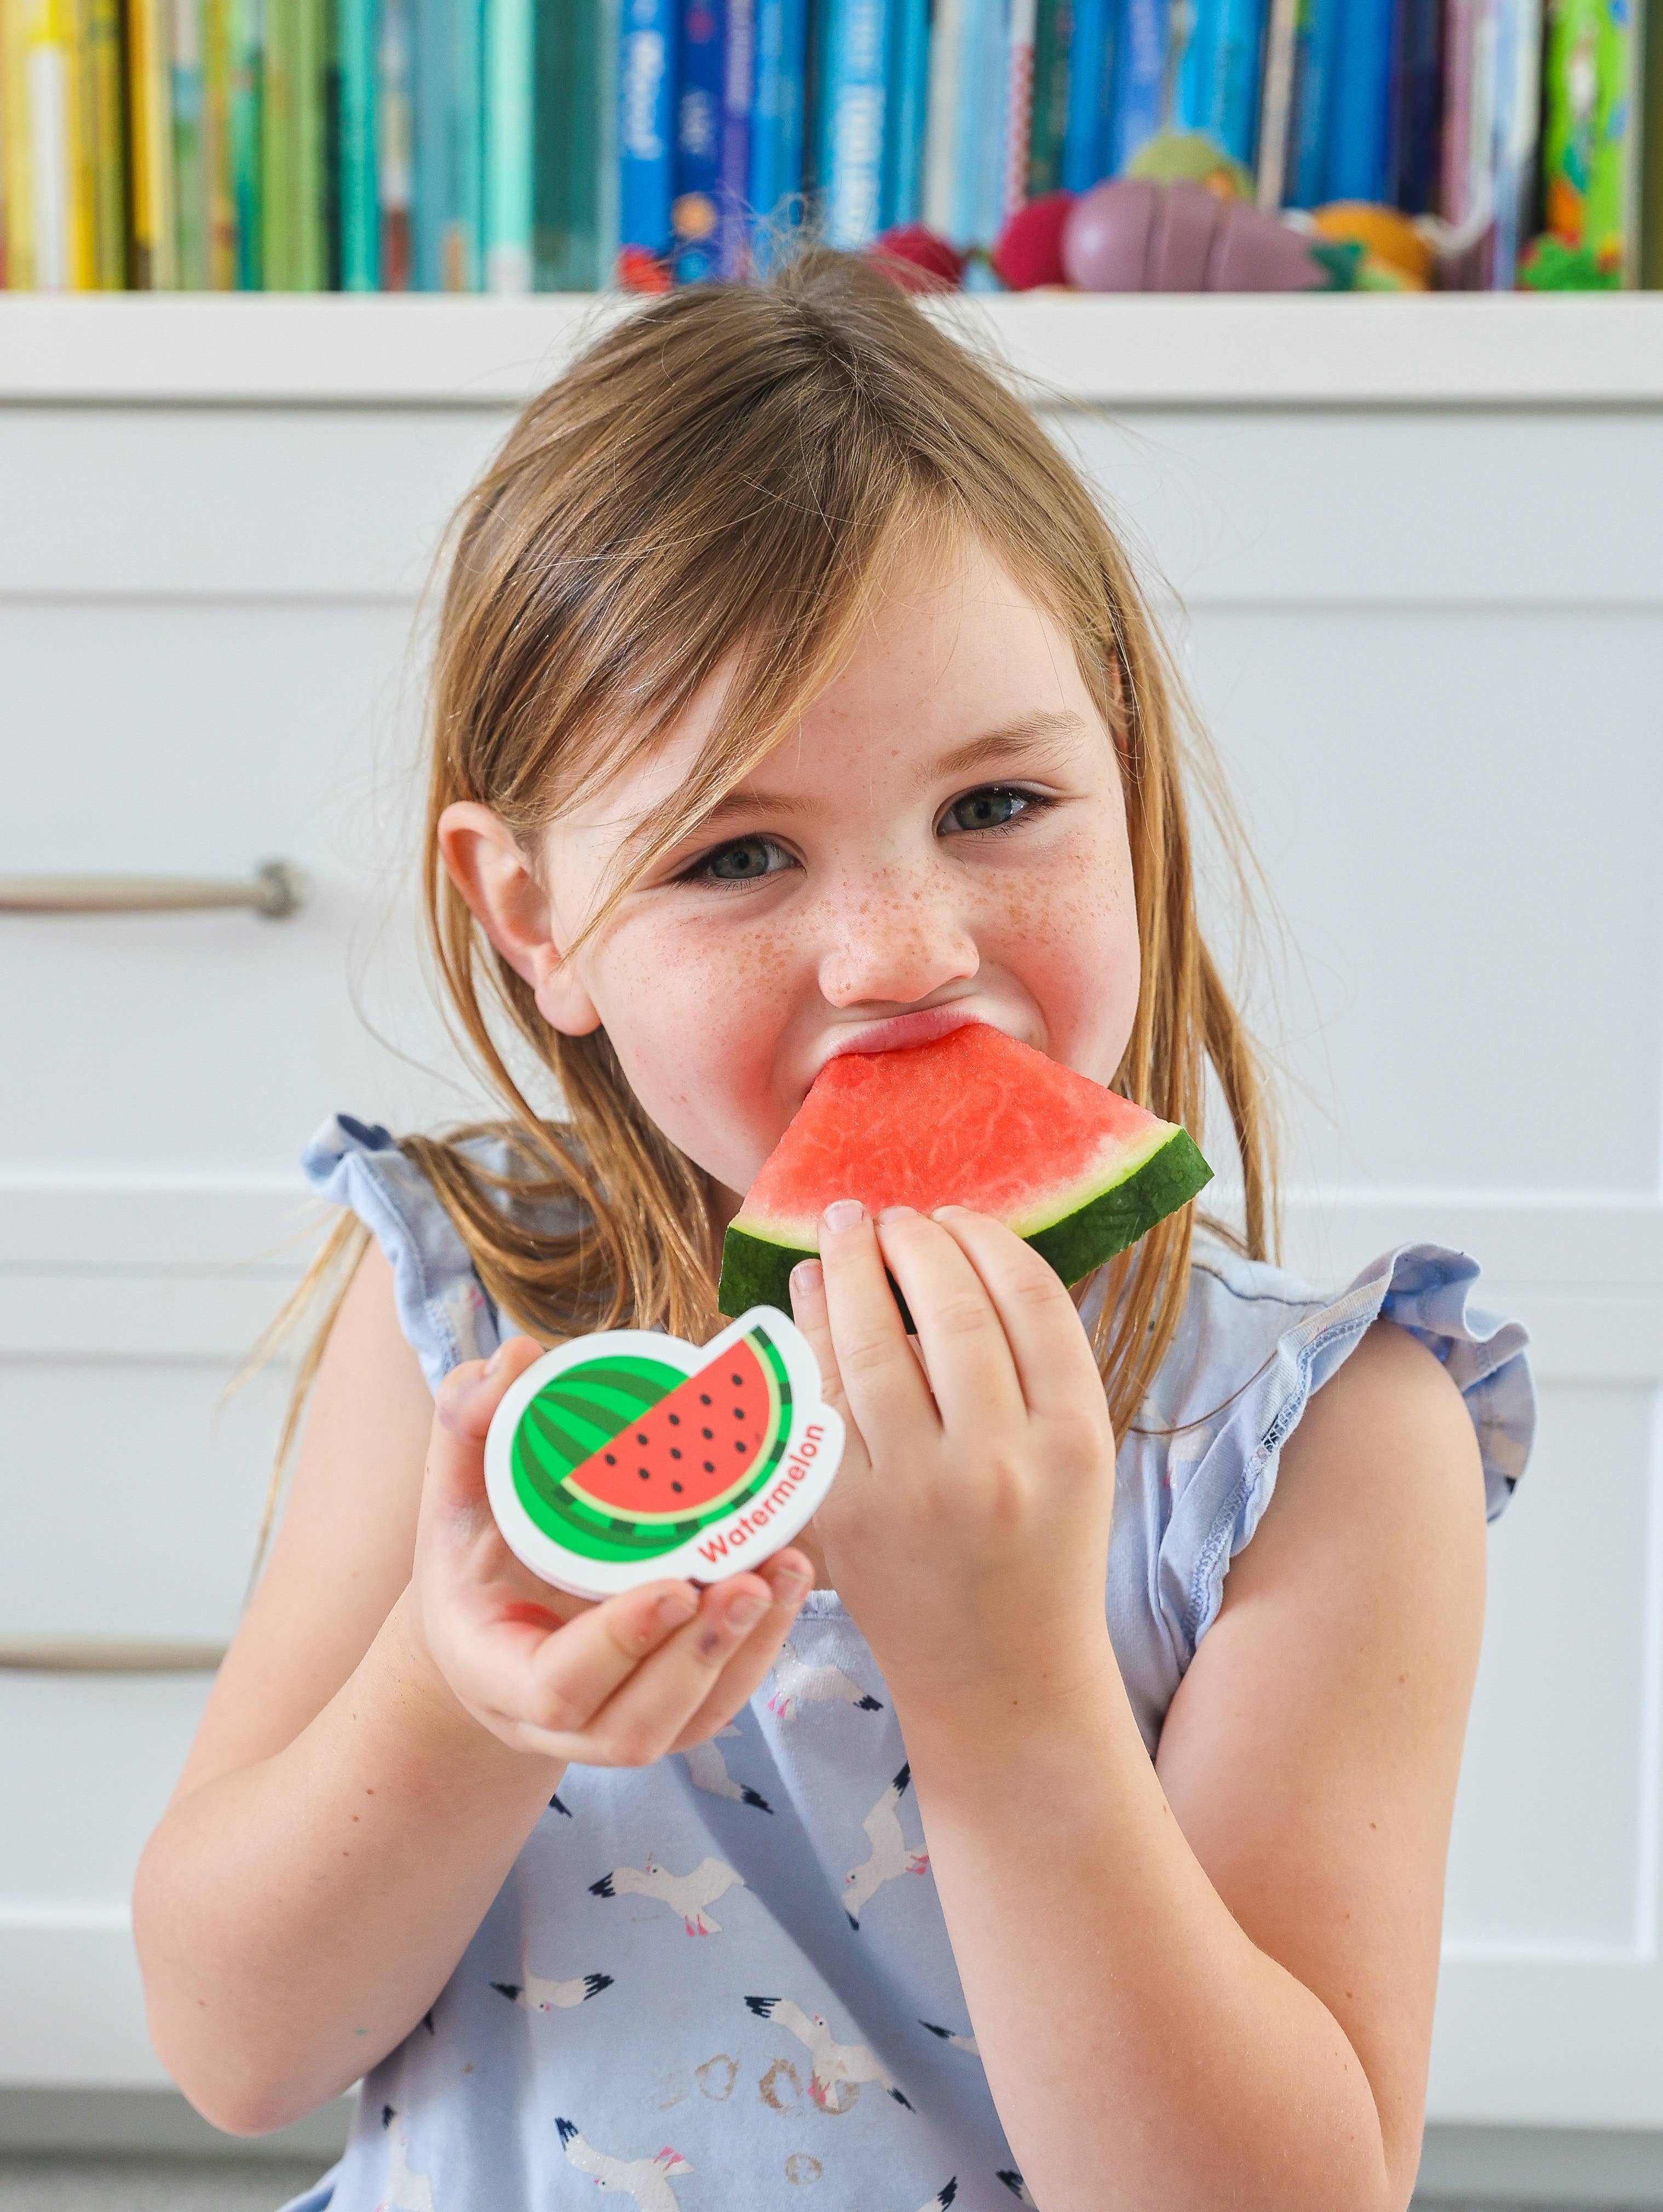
column 1132, row 236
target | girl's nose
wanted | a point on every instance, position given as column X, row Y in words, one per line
column 891, row 944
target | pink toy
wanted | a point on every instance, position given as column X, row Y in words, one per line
column 1131, row 235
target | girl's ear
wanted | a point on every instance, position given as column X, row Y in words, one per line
column 485, row 860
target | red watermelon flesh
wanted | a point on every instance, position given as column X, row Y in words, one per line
column 972, row 1119
column 684, row 1454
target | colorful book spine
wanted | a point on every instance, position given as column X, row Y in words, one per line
column 1314, row 57
column 1518, row 113
column 1053, row 24
column 60, row 222
column 278, row 148
column 733, row 173
column 15, row 145
column 1143, row 93
column 851, row 161
column 1467, row 197
column 308, row 179
column 570, row 251
column 1589, row 148
column 1417, row 107
column 190, row 172
column 359, row 215
column 219, row 184
column 694, row 214
column 646, row 134
column 100, row 148
column 1360, row 99
column 395, row 122
column 782, row 34
column 1019, row 103
column 942, row 130
column 1275, row 105
column 1218, row 77
column 430, row 167
column 1651, row 146
column 509, row 93
column 154, row 266
column 979, row 182
column 474, row 103
column 248, row 139
column 904, row 113
column 1088, row 142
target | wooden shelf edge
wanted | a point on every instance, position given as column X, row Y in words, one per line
column 1220, row 351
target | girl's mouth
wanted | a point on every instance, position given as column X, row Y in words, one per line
column 903, row 1030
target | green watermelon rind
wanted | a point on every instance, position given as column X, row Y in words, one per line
column 756, row 1266
column 565, row 1520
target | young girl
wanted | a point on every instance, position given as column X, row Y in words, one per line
column 793, row 698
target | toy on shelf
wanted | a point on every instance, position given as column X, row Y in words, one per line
column 973, row 1118
column 622, row 1457
column 1132, row 236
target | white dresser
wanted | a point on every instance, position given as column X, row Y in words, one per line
column 1419, row 546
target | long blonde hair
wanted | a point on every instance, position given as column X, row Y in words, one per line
column 721, row 481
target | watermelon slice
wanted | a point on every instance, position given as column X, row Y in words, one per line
column 972, row 1119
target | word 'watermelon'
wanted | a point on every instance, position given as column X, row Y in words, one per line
column 624, row 1457
column 973, row 1119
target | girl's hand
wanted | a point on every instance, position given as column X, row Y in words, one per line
column 616, row 1684
column 968, row 1529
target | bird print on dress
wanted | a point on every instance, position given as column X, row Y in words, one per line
column 890, row 1855
column 1017, row 2186
column 708, row 1770
column 959, row 2042
column 685, row 1894
column 943, row 2196
column 555, row 1806
column 796, row 1685
column 837, row 2067
column 646, row 2180
column 404, row 2189
column 539, row 1995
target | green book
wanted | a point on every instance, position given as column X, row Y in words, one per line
column 247, row 104
column 190, row 171
column 462, row 220
column 310, row 262
column 509, row 46
column 1048, row 123
column 1590, row 135
column 575, row 166
column 360, row 225
column 277, row 145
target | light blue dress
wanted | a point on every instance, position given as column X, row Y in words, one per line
column 723, row 1982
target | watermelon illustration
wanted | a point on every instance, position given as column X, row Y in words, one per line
column 625, row 1457
column 972, row 1119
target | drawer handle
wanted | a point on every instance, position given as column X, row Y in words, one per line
column 273, row 891
column 108, row 1655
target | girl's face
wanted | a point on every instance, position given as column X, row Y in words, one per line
column 943, row 840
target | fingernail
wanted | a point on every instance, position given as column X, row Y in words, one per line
column 790, row 1581
column 844, row 1213
column 675, row 1607
column 805, row 1275
column 896, row 1213
column 745, row 1612
column 494, row 1364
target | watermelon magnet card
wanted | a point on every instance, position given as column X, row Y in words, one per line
column 626, row 1456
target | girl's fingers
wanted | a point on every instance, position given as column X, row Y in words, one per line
column 558, row 1679
column 1053, row 1357
column 971, row 1369
column 878, row 1374
column 454, row 1483
column 788, row 1576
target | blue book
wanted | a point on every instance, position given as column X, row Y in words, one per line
column 1140, row 78
column 1359, row 102
column 904, row 112
column 1086, row 147
column 1218, row 79
column 430, row 103
column 733, row 181
column 979, row 168
column 646, row 126
column 1417, row 107
column 1314, row 57
column 694, row 214
column 852, row 98
column 463, row 244
column 776, row 109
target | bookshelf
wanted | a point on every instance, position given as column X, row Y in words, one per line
column 1472, row 350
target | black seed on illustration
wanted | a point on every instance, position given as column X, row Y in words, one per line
column 704, row 1399
column 611, row 1459
column 676, row 1487
column 709, row 1466
column 675, row 1451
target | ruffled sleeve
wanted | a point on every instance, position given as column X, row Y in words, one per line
column 441, row 1305
column 1199, row 1468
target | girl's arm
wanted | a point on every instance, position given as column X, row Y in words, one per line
column 1209, row 1984
column 398, row 1706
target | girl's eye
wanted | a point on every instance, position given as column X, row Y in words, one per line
column 994, row 807
column 742, row 862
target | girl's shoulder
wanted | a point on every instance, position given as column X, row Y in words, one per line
column 443, row 1308
column 1198, row 1466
